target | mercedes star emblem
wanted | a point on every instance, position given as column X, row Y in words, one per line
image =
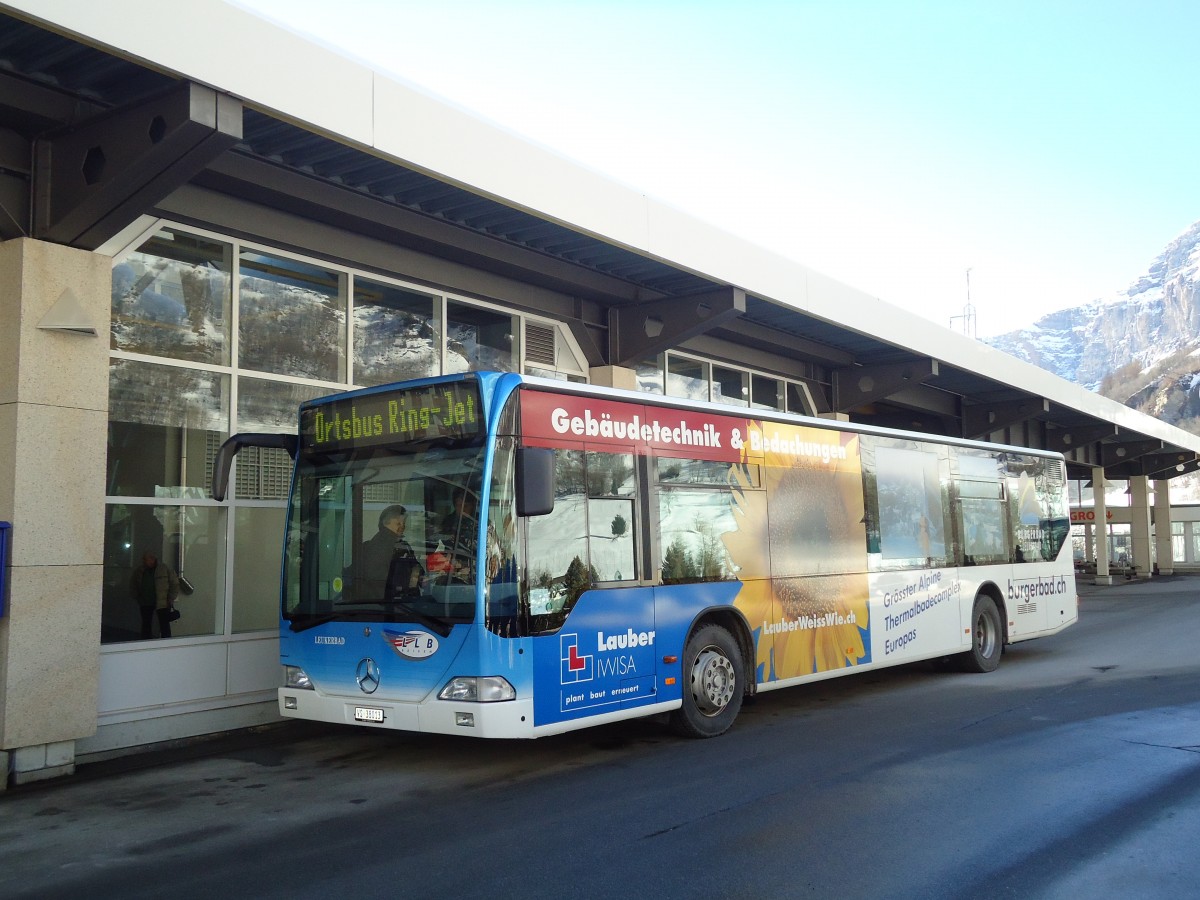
column 367, row 675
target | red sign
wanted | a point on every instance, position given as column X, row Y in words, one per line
column 557, row 419
column 1087, row 515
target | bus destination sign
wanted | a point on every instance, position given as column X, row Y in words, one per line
column 388, row 417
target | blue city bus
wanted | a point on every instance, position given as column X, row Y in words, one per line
column 496, row 555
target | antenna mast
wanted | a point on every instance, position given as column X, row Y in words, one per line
column 968, row 313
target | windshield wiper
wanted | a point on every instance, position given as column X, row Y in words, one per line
column 441, row 626
column 313, row 620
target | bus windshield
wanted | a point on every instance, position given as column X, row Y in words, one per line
column 385, row 530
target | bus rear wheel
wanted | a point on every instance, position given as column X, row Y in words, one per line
column 713, row 684
column 987, row 637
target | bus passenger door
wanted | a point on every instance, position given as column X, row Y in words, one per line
column 608, row 651
column 602, row 659
column 598, row 652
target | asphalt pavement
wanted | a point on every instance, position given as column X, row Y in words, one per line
column 1079, row 758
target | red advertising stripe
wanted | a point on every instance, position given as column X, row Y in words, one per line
column 554, row 419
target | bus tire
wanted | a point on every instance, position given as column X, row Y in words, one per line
column 712, row 684
column 987, row 637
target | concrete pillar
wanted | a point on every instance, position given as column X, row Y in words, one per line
column 1139, row 523
column 613, row 376
column 53, row 440
column 1101, row 509
column 1163, row 550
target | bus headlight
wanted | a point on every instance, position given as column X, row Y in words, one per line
column 295, row 677
column 482, row 689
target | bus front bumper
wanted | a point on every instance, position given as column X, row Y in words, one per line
column 507, row 719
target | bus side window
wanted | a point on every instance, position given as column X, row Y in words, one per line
column 612, row 498
column 908, row 505
column 589, row 537
column 559, row 569
column 1036, row 517
column 695, row 511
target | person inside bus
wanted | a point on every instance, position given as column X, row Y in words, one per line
column 461, row 523
column 389, row 566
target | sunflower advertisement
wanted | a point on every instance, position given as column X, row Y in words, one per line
column 812, row 613
column 789, row 524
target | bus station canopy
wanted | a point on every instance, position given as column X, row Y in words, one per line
column 115, row 115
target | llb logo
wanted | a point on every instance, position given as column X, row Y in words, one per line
column 412, row 644
column 575, row 667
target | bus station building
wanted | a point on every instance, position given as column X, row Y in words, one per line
column 195, row 240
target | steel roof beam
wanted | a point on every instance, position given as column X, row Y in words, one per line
column 855, row 386
column 1157, row 466
column 983, row 419
column 1119, row 452
column 92, row 179
column 635, row 332
column 1066, row 439
column 1175, row 470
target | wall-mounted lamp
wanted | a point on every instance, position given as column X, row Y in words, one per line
column 67, row 314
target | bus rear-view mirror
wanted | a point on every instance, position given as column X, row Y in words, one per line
column 535, row 481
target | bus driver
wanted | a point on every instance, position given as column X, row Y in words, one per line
column 389, row 566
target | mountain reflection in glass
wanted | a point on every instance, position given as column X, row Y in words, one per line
column 291, row 317
column 171, row 298
column 396, row 334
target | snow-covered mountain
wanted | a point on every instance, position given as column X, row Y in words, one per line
column 1141, row 346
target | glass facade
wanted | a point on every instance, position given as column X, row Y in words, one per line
column 478, row 339
column 291, row 317
column 731, row 386
column 171, row 298
column 211, row 336
column 767, row 393
column 693, row 378
column 164, row 422
column 397, row 333
column 687, row 378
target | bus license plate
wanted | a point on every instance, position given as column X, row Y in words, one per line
column 367, row 714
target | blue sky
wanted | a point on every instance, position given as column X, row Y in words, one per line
column 1049, row 147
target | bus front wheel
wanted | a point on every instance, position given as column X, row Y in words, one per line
column 712, row 684
column 987, row 637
